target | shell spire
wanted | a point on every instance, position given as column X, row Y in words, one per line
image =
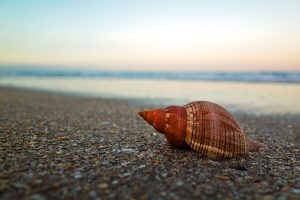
column 203, row 126
column 155, row 117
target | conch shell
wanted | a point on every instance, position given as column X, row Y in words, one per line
column 204, row 126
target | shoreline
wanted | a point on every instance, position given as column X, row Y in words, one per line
column 253, row 98
column 66, row 146
column 145, row 103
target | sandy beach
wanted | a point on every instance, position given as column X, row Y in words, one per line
column 55, row 146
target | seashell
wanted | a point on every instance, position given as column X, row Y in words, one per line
column 203, row 126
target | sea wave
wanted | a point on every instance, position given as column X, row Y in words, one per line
column 288, row 77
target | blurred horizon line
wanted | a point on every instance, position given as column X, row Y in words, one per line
column 70, row 67
column 240, row 76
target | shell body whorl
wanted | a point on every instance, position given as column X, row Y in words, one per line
column 203, row 126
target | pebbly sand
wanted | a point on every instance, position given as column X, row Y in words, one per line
column 68, row 147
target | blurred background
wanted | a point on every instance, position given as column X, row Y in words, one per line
column 243, row 55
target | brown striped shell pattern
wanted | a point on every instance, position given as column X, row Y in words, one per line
column 204, row 126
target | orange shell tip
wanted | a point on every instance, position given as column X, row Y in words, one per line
column 141, row 114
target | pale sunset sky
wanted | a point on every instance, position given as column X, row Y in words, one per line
column 151, row 35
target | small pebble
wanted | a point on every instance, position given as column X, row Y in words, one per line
column 102, row 186
column 154, row 134
column 77, row 175
column 37, row 197
column 179, row 183
column 130, row 150
column 114, row 182
column 296, row 191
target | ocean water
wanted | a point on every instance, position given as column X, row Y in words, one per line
column 286, row 77
column 259, row 93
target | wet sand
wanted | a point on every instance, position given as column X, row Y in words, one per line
column 252, row 97
column 56, row 146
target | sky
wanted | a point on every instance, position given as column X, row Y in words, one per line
column 151, row 35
